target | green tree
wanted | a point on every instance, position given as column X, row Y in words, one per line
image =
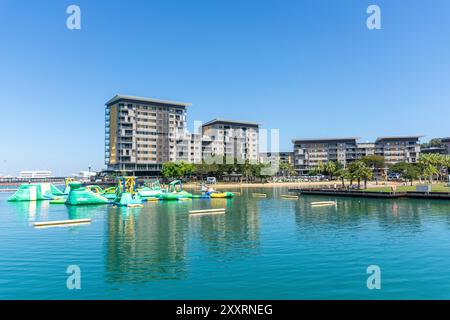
column 360, row 171
column 287, row 169
column 436, row 142
column 318, row 169
column 331, row 168
column 170, row 170
column 411, row 173
column 173, row 170
column 430, row 165
column 374, row 161
column 343, row 173
column 407, row 170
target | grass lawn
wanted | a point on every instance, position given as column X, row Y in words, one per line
column 434, row 188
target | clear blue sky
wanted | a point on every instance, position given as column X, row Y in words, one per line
column 310, row 68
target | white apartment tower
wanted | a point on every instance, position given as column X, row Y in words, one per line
column 231, row 139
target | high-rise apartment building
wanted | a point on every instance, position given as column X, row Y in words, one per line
column 230, row 138
column 141, row 133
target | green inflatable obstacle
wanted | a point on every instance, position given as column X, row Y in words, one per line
column 175, row 195
column 151, row 190
column 55, row 191
column 129, row 200
column 110, row 193
column 59, row 200
column 175, row 191
column 79, row 195
column 126, row 194
column 35, row 191
column 67, row 188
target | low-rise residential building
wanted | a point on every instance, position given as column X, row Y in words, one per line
column 398, row 149
column 309, row 152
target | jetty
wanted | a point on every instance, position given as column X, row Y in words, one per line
column 371, row 194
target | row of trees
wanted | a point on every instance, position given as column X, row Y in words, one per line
column 247, row 170
column 429, row 166
column 356, row 171
column 434, row 165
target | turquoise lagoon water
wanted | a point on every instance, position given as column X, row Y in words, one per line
column 260, row 249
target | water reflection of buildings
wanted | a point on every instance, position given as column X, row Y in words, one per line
column 234, row 234
column 145, row 244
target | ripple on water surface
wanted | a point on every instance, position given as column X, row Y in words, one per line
column 261, row 248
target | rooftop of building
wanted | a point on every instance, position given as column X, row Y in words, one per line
column 120, row 97
column 393, row 138
column 231, row 122
column 433, row 149
column 354, row 139
column 279, row 152
column 340, row 139
column 445, row 139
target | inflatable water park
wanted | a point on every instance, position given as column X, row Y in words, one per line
column 126, row 193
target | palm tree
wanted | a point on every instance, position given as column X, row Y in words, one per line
column 287, row 169
column 343, row 174
column 430, row 164
column 330, row 168
column 359, row 170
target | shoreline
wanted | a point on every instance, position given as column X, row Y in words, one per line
column 287, row 184
column 370, row 185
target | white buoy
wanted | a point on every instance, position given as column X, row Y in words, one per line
column 259, row 195
column 289, row 196
column 323, row 203
column 60, row 223
column 207, row 211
